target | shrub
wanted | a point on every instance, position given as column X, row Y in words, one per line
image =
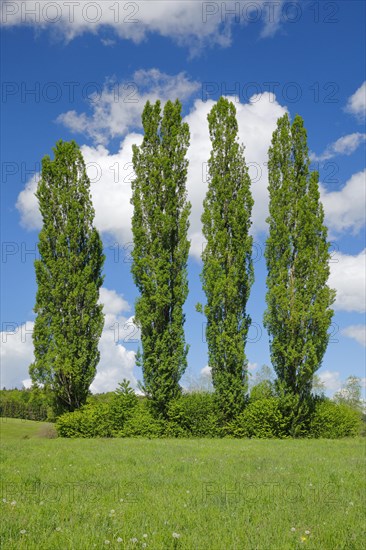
column 261, row 418
column 262, row 390
column 88, row 421
column 142, row 423
column 122, row 405
column 334, row 420
column 193, row 414
column 295, row 411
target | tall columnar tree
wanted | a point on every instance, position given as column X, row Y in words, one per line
column 227, row 274
column 299, row 300
column 160, row 254
column 69, row 319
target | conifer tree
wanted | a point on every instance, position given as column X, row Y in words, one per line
column 227, row 274
column 299, row 300
column 69, row 319
column 160, row 254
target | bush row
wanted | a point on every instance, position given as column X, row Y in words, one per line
column 196, row 415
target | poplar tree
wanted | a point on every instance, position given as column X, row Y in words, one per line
column 69, row 319
column 159, row 226
column 227, row 273
column 298, row 298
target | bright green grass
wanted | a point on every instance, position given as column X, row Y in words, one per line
column 216, row 494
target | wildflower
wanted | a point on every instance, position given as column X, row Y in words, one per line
column 145, row 536
column 144, row 545
column 13, row 502
column 121, row 499
column 187, row 492
column 119, row 539
column 106, row 542
column 23, row 532
column 58, row 528
column 4, row 500
column 293, row 529
column 307, row 532
column 113, row 512
column 302, row 539
column 176, row 535
column 351, row 503
column 134, row 540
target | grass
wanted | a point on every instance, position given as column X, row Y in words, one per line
column 214, row 494
column 15, row 428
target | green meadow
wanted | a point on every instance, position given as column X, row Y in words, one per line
column 179, row 493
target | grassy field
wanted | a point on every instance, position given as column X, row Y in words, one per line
column 175, row 494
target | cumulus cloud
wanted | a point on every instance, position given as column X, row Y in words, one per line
column 348, row 277
column 16, row 353
column 117, row 108
column 27, row 205
column 356, row 104
column 206, row 371
column 116, row 361
column 345, row 145
column 356, row 332
column 193, row 24
column 345, row 209
column 111, row 174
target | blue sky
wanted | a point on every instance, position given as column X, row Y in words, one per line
column 86, row 74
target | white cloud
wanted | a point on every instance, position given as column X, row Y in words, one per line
column 331, row 380
column 113, row 302
column 348, row 277
column 16, row 353
column 345, row 145
column 356, row 104
column 116, row 361
column 27, row 204
column 206, row 371
column 111, row 174
column 193, row 24
column 356, row 332
column 117, row 108
column 345, row 209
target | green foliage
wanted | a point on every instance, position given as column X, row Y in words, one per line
column 193, row 415
column 298, row 312
column 159, row 226
column 88, row 421
column 122, row 405
column 262, row 418
column 335, row 420
column 29, row 404
column 227, row 274
column 143, row 423
column 69, row 319
column 262, row 390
